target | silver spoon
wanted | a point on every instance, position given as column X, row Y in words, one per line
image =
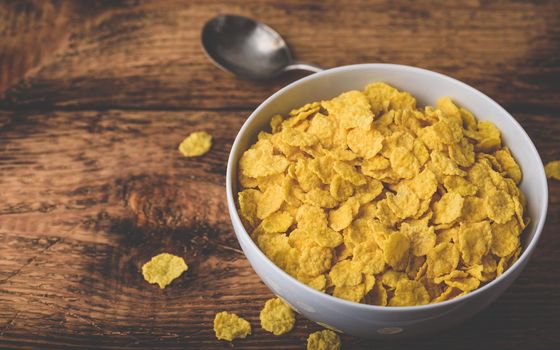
column 249, row 48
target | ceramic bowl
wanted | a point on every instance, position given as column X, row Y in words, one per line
column 371, row 321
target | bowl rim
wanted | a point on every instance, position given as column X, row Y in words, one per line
column 236, row 221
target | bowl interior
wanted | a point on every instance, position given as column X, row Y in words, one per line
column 427, row 87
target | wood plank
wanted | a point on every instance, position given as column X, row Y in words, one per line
column 147, row 55
column 89, row 196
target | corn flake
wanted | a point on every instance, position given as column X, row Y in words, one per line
column 552, row 169
column 196, row 144
column 323, row 340
column 163, row 269
column 277, row 317
column 228, row 326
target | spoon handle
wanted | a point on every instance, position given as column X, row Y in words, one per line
column 303, row 66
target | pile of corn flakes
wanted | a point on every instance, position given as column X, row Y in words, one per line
column 371, row 199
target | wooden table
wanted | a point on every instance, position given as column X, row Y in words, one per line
column 96, row 98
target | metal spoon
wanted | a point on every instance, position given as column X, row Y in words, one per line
column 248, row 48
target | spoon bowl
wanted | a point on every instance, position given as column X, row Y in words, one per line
column 248, row 48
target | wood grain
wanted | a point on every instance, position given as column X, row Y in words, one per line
column 92, row 184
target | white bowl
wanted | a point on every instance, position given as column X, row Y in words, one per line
column 371, row 321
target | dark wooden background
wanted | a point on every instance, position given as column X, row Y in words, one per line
column 96, row 97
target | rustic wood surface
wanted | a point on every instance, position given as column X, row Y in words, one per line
column 96, row 96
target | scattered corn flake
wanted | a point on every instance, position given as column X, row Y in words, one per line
column 196, row 144
column 323, row 340
column 229, row 326
column 552, row 169
column 277, row 317
column 163, row 269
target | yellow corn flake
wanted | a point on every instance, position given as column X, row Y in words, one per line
column 405, row 203
column 371, row 190
column 323, row 340
column 276, row 123
column 277, row 317
column 442, row 259
column 508, row 163
column 379, row 295
column 474, row 210
column 352, row 109
column 422, row 237
column 327, row 238
column 365, row 143
column 248, row 200
column 196, row 144
column 441, row 165
column 345, row 273
column 279, row 221
column 448, row 208
column 311, row 218
column 349, row 173
column 409, row 293
column 460, row 280
column 552, row 169
column 320, row 198
column 340, row 189
column 229, row 326
column 383, row 97
column 424, row 184
column 404, row 163
column 499, row 206
column 271, row 200
column 459, row 185
column 366, row 186
column 315, row 261
column 450, row 110
column 369, row 257
column 489, row 137
column 260, row 161
column 163, row 269
column 462, row 153
column 396, row 251
column 475, row 240
column 300, row 114
column 505, row 238
column 340, row 218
